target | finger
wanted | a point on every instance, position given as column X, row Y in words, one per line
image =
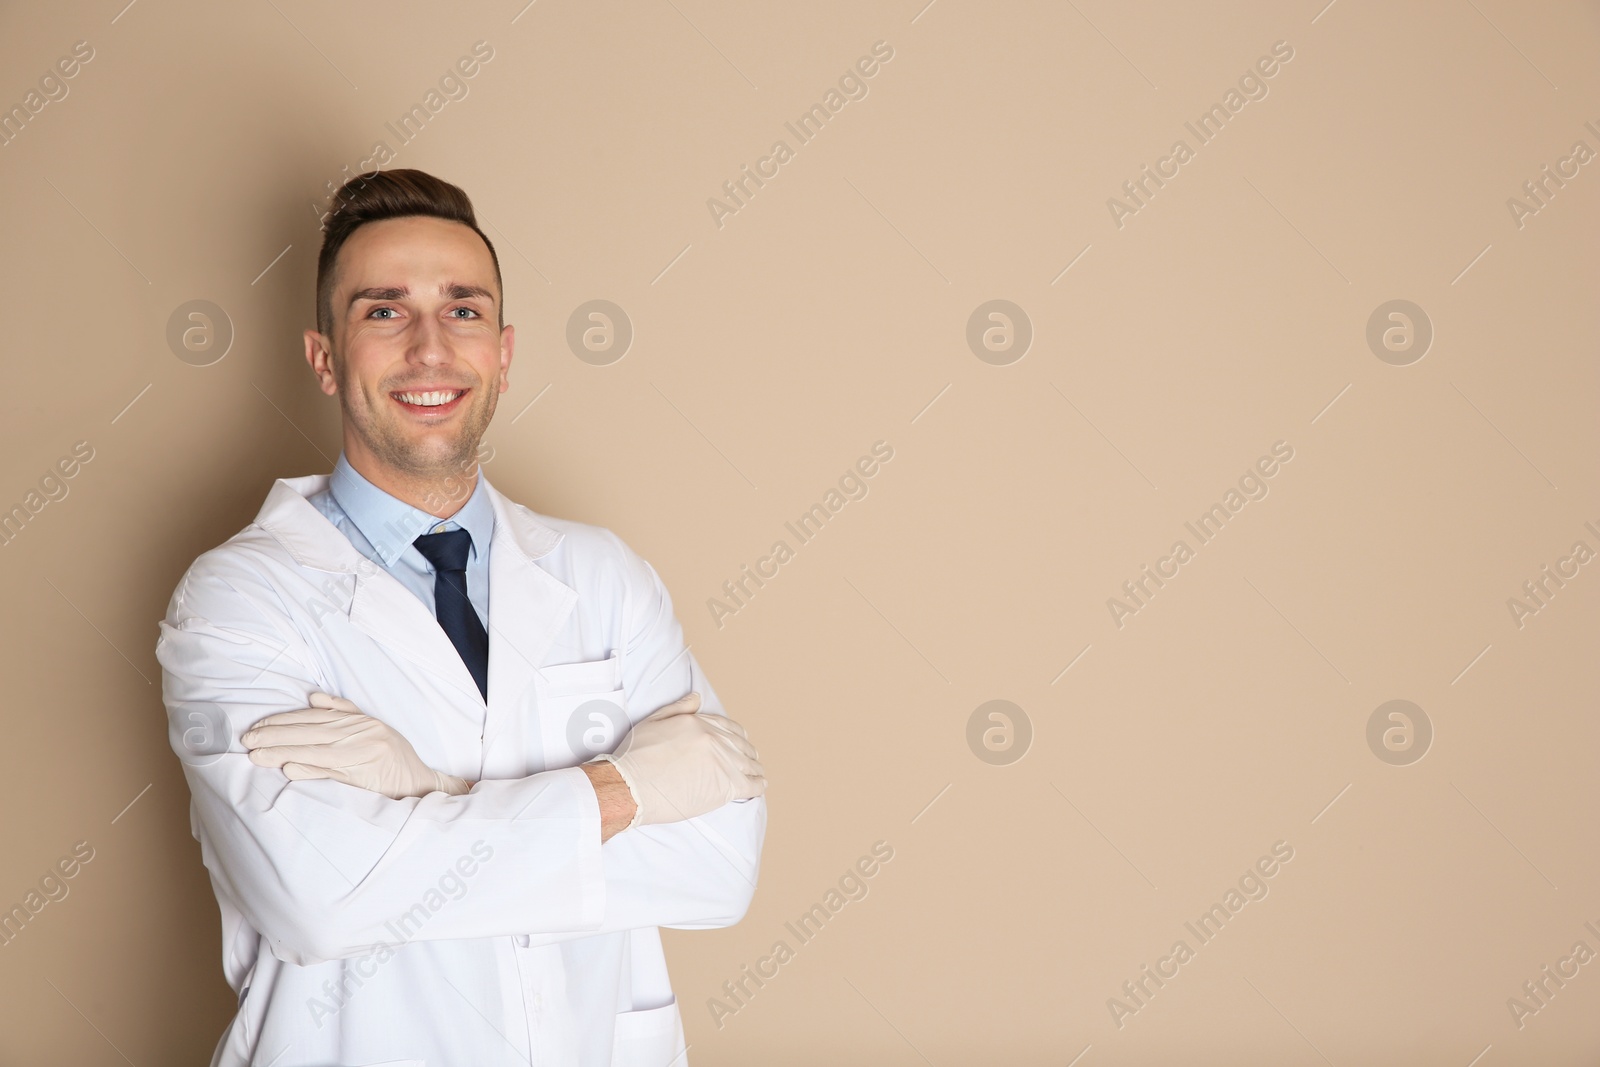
column 319, row 699
column 722, row 722
column 316, row 755
column 304, row 715
column 738, row 745
column 313, row 725
column 725, row 726
column 292, row 734
column 303, row 772
column 740, row 752
column 683, row 705
column 738, row 763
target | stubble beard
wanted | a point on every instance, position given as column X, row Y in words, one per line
column 421, row 461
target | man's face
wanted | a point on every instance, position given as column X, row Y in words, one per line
column 415, row 309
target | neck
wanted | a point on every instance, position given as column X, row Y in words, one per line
column 440, row 495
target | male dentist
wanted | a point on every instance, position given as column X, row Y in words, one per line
column 451, row 764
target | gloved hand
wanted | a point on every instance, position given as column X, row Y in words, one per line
column 680, row 763
column 333, row 739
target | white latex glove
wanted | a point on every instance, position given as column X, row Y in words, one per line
column 680, row 763
column 333, row 739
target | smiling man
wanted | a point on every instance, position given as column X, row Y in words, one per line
column 451, row 764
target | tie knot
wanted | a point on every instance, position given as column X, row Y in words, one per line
column 447, row 551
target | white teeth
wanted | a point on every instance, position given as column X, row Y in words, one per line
column 430, row 399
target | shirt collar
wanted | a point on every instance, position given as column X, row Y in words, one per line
column 391, row 525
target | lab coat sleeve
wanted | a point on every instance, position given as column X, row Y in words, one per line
column 328, row 871
column 698, row 873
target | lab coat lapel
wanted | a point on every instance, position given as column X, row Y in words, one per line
column 527, row 606
column 527, row 609
column 379, row 606
column 391, row 615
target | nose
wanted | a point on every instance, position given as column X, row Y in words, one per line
column 430, row 344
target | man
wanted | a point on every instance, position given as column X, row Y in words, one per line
column 444, row 773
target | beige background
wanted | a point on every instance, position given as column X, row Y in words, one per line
column 188, row 161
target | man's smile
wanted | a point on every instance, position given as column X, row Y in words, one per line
column 430, row 403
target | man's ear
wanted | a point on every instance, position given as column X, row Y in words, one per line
column 319, row 354
column 508, row 341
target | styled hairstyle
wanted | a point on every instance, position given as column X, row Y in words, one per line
column 390, row 194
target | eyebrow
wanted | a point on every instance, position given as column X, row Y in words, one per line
column 448, row 290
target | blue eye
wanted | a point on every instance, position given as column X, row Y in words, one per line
column 374, row 311
column 468, row 310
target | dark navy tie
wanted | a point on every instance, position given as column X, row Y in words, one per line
column 448, row 553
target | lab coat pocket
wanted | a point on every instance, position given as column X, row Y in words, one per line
column 583, row 710
column 649, row 1038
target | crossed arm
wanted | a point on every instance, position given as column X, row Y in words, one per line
column 334, row 739
column 320, row 868
column 674, row 765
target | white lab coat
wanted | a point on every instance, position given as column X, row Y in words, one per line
column 447, row 931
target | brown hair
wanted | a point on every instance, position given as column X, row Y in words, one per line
column 390, row 194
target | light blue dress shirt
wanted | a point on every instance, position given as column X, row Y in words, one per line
column 382, row 528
